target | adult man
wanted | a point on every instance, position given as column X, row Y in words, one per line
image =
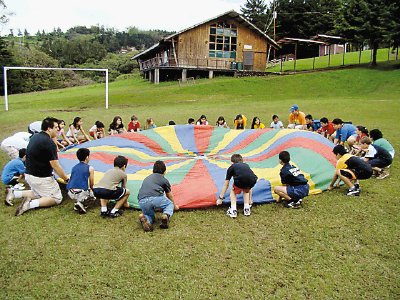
column 343, row 131
column 297, row 119
column 41, row 160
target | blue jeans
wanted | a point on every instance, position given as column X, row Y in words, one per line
column 150, row 204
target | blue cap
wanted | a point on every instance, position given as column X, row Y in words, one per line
column 294, row 107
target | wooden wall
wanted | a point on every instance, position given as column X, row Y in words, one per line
column 193, row 45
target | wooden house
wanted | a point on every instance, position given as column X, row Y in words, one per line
column 225, row 44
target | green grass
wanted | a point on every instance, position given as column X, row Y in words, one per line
column 336, row 60
column 336, row 247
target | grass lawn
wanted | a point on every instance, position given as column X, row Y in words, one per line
column 335, row 247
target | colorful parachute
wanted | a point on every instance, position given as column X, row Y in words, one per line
column 197, row 158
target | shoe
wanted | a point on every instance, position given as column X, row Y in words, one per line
column 23, row 207
column 104, row 214
column 353, row 192
column 291, row 204
column 164, row 221
column 383, row 175
column 357, row 186
column 231, row 213
column 116, row 214
column 145, row 224
column 78, row 206
column 298, row 203
column 18, row 187
column 9, row 197
column 247, row 211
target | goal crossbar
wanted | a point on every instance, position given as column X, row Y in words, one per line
column 46, row 68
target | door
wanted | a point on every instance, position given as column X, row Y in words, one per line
column 248, row 60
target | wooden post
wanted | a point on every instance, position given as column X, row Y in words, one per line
column 295, row 56
column 344, row 52
column 184, row 75
column 156, row 76
column 281, row 64
column 359, row 55
column 313, row 63
column 389, row 52
column 150, row 76
column 211, row 74
column 397, row 52
column 174, row 52
column 329, row 56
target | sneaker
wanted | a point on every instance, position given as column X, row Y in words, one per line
column 116, row 214
column 145, row 224
column 231, row 213
column 78, row 206
column 383, row 175
column 23, row 207
column 247, row 211
column 291, row 204
column 298, row 203
column 18, row 187
column 357, row 186
column 164, row 221
column 353, row 192
column 104, row 213
column 9, row 197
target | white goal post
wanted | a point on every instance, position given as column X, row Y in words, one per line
column 45, row 68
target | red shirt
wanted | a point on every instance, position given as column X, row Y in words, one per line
column 328, row 129
column 132, row 127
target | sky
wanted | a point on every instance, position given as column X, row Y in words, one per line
column 170, row 15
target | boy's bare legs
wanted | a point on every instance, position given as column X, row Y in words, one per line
column 246, row 200
column 281, row 191
column 124, row 200
column 233, row 200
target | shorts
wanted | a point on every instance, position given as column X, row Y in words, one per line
column 44, row 187
column 78, row 194
column 297, row 192
column 107, row 194
column 238, row 190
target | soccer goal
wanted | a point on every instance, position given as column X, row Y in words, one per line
column 45, row 68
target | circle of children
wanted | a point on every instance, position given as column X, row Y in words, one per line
column 360, row 154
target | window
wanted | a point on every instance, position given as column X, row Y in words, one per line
column 223, row 40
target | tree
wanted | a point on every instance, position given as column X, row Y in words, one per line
column 6, row 59
column 255, row 12
column 393, row 24
column 364, row 20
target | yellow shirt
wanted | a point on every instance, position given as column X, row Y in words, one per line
column 300, row 119
column 259, row 126
column 341, row 163
column 244, row 122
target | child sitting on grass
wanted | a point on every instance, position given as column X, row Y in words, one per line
column 377, row 157
column 75, row 133
column 13, row 173
column 150, row 124
column 134, row 124
column 276, row 124
column 349, row 169
column 256, row 124
column 97, row 130
column 244, row 180
column 151, row 197
column 80, row 184
column 240, row 122
column 108, row 188
column 295, row 186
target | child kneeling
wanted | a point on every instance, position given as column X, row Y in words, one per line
column 108, row 188
column 151, row 197
column 244, row 180
column 295, row 186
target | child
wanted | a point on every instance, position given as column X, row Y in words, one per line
column 116, row 127
column 244, row 180
column 312, row 125
column 377, row 157
column 221, row 122
column 134, row 124
column 190, row 121
column 354, row 142
column 349, row 168
column 150, row 124
column 13, row 173
column 151, row 197
column 343, row 131
column 378, row 140
column 73, row 132
column 202, row 120
column 276, row 124
column 326, row 129
column 295, row 186
column 61, row 140
column 240, row 122
column 80, row 184
column 171, row 123
column 108, row 188
column 256, row 124
column 97, row 130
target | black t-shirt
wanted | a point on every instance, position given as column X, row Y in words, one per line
column 291, row 175
column 40, row 151
column 243, row 176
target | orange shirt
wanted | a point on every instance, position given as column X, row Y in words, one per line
column 300, row 119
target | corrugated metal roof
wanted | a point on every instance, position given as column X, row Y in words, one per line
column 232, row 14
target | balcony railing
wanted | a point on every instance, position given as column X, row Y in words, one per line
column 202, row 63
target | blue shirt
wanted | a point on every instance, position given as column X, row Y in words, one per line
column 13, row 168
column 345, row 132
column 79, row 177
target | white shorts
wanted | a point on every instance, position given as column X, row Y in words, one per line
column 78, row 194
column 294, row 126
column 44, row 187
